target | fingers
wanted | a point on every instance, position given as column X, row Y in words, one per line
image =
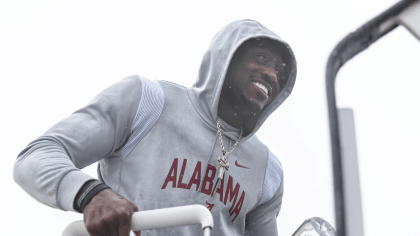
column 99, row 223
column 110, row 224
column 135, row 208
column 125, row 224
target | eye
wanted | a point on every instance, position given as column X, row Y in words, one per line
column 262, row 58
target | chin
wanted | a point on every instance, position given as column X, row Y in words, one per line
column 255, row 106
column 251, row 104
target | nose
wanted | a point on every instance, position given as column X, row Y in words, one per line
column 270, row 73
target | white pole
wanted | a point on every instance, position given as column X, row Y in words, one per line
column 350, row 167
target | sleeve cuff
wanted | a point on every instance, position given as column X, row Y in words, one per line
column 69, row 187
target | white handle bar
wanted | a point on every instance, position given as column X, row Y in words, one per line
column 154, row 219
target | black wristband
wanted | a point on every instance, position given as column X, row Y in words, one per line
column 89, row 194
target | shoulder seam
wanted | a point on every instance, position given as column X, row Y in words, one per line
column 148, row 112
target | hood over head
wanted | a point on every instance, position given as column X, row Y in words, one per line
column 205, row 93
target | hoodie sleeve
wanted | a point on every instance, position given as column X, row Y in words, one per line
column 48, row 169
column 262, row 220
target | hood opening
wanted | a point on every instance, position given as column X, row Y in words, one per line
column 205, row 93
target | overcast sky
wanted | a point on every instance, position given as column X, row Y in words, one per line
column 55, row 56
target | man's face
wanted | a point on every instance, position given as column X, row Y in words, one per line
column 252, row 80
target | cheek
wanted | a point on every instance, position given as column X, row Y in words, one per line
column 278, row 88
column 252, row 66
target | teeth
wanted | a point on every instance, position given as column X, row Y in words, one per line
column 262, row 87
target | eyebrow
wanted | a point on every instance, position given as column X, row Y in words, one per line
column 276, row 54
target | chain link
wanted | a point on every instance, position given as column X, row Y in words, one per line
column 225, row 154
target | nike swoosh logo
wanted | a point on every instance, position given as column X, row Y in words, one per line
column 241, row 166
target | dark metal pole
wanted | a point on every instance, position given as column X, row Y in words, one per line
column 347, row 48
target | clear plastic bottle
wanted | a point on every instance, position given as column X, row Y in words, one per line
column 315, row 226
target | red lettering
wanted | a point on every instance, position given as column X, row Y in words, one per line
column 196, row 177
column 220, row 189
column 208, row 179
column 232, row 194
column 181, row 175
column 210, row 206
column 171, row 174
column 238, row 206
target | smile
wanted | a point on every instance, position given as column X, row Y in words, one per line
column 262, row 87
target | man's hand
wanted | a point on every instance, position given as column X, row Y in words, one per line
column 109, row 214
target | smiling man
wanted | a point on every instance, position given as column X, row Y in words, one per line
column 162, row 145
column 256, row 74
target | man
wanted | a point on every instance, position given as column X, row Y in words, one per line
column 162, row 145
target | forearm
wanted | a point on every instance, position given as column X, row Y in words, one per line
column 46, row 173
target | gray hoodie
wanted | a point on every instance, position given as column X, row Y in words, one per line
column 157, row 145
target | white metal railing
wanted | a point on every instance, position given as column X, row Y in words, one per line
column 154, row 219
